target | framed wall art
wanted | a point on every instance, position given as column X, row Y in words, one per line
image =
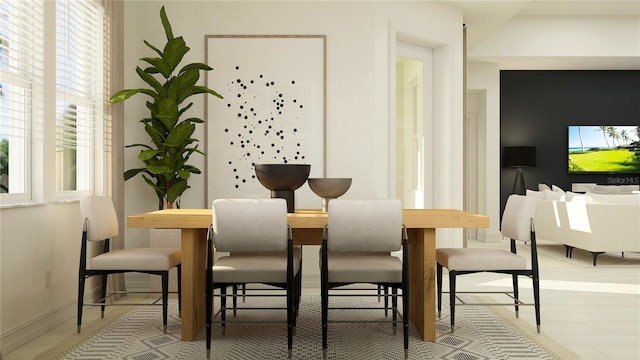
column 273, row 111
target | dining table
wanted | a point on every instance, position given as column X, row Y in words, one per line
column 307, row 228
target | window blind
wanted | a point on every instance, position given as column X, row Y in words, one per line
column 21, row 93
column 79, row 74
column 79, row 93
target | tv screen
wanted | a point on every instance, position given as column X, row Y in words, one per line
column 604, row 149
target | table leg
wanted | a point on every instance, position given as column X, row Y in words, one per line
column 193, row 266
column 422, row 293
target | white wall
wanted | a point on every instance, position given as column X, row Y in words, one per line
column 563, row 36
column 35, row 240
column 486, row 77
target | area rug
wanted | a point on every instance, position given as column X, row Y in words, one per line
column 480, row 333
column 583, row 257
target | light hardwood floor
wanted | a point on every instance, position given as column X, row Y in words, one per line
column 593, row 311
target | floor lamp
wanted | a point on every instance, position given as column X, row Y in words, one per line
column 519, row 157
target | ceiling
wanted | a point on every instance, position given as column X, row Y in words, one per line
column 482, row 18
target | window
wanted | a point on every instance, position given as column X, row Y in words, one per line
column 21, row 93
column 82, row 132
column 79, row 96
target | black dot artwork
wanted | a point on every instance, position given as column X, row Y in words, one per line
column 260, row 104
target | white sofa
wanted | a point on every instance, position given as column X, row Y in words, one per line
column 594, row 222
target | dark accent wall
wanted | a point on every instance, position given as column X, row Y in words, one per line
column 537, row 106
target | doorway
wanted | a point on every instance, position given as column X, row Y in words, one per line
column 414, row 120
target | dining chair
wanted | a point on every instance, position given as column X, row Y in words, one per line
column 357, row 243
column 256, row 234
column 100, row 224
column 517, row 225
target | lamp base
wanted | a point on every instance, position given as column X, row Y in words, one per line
column 518, row 183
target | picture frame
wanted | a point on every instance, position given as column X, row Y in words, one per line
column 273, row 111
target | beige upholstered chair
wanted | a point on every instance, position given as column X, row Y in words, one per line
column 256, row 234
column 517, row 224
column 101, row 224
column 356, row 249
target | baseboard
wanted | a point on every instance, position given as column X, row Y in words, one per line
column 40, row 325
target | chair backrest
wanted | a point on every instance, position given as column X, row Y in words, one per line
column 516, row 218
column 373, row 225
column 100, row 216
column 250, row 225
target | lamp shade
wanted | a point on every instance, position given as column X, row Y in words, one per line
column 519, row 156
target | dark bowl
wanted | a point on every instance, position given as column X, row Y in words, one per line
column 330, row 187
column 282, row 177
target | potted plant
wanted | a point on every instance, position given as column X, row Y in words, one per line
column 166, row 167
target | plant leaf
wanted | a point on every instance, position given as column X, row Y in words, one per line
column 184, row 174
column 174, row 51
column 167, row 112
column 195, row 120
column 139, row 145
column 148, row 154
column 203, row 90
column 180, row 134
column 158, row 65
column 157, row 51
column 123, row 95
column 159, row 169
column 149, row 79
column 133, row 172
column 198, row 66
column 165, row 23
column 176, row 190
column 192, row 169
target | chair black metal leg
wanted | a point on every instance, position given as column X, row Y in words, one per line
column 103, row 294
column 386, row 301
column 452, row 298
column 208, row 315
column 325, row 318
column 208, row 297
column 394, row 306
column 81, row 280
column 290, row 315
column 536, row 299
column 244, row 292
column 516, row 293
column 439, row 286
column 223, row 308
column 165, row 299
column 235, row 298
column 405, row 317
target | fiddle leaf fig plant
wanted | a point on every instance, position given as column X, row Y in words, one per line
column 166, row 167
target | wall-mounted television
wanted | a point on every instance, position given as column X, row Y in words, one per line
column 604, row 149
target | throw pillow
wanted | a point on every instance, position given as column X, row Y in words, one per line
column 535, row 194
column 571, row 196
column 543, row 187
column 553, row 195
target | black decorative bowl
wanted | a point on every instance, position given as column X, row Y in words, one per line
column 283, row 180
column 329, row 188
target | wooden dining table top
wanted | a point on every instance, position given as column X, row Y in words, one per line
column 307, row 218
